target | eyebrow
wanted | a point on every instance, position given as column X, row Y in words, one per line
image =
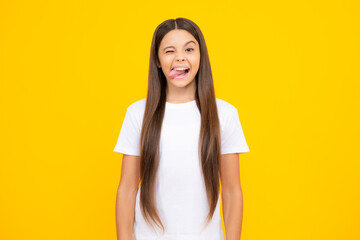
column 184, row 45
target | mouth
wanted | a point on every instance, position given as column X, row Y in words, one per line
column 185, row 68
column 179, row 73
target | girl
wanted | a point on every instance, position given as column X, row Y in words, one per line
column 178, row 143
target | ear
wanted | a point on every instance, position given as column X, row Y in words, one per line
column 157, row 63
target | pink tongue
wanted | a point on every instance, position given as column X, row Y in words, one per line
column 175, row 73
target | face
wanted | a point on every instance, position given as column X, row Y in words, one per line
column 179, row 48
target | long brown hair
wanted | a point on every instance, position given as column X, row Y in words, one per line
column 209, row 139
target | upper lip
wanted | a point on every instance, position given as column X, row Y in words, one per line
column 178, row 66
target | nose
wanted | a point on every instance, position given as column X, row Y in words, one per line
column 180, row 58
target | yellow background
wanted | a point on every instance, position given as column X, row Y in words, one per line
column 69, row 69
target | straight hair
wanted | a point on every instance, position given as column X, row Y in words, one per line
column 209, row 147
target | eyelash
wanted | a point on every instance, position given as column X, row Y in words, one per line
column 186, row 49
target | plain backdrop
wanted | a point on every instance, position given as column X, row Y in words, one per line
column 69, row 70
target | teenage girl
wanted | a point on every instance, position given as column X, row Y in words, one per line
column 178, row 143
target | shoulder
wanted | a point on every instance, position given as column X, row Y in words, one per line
column 225, row 108
column 136, row 109
column 227, row 113
column 137, row 106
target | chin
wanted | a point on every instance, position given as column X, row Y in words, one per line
column 180, row 82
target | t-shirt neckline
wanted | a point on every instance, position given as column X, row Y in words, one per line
column 181, row 105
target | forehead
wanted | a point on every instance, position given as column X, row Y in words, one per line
column 177, row 37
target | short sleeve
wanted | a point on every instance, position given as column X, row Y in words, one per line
column 232, row 137
column 129, row 138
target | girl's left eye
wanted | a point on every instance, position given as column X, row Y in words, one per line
column 191, row 49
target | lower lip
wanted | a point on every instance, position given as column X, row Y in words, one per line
column 183, row 76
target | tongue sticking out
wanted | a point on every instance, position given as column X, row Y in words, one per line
column 175, row 73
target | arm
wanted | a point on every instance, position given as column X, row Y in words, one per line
column 126, row 197
column 232, row 198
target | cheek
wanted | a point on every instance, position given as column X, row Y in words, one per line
column 194, row 58
column 195, row 61
column 167, row 57
column 164, row 59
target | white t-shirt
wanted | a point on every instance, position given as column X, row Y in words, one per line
column 180, row 189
